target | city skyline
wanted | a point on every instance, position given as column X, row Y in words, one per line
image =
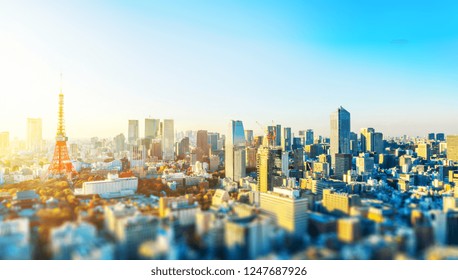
column 205, row 64
column 258, row 131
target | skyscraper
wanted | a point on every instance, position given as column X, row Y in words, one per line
column 286, row 139
column 133, row 133
column 377, row 143
column 342, row 165
column 302, row 136
column 235, row 154
column 290, row 212
column 354, row 143
column 452, row 147
column 183, row 147
column 366, row 138
column 202, row 145
column 371, row 141
column 269, row 168
column 364, row 164
column 271, row 135
column 278, row 135
column 309, row 137
column 340, row 133
column 168, row 139
column 249, row 137
column 213, row 138
column 119, row 142
column 152, row 128
column 440, row 137
column 298, row 154
column 251, row 157
column 34, row 135
column 423, row 150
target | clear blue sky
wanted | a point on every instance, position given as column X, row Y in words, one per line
column 392, row 64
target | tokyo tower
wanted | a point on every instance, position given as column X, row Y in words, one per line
column 61, row 164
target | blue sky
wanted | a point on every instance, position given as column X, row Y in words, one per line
column 393, row 65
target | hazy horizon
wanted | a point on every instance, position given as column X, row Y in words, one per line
column 204, row 63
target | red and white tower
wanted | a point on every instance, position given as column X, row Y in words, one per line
column 61, row 164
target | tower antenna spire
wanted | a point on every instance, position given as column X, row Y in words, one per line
column 61, row 163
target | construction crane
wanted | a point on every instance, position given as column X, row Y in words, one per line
column 271, row 135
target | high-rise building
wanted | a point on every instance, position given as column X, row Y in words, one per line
column 348, row 230
column 431, row 136
column 340, row 133
column 202, row 145
column 120, row 143
column 440, row 137
column 235, row 154
column 131, row 231
column 214, row 163
column 251, row 157
column 423, row 150
column 133, row 131
column 248, row 237
column 183, row 147
column 354, row 143
column 4, row 142
column 366, row 138
column 443, row 148
column 258, row 141
column 152, row 127
column 377, row 145
column 313, row 150
column 286, row 139
column 301, row 134
column 452, row 147
column 298, row 154
column 387, row 161
column 156, row 148
column 278, row 135
column 249, row 137
column 285, row 164
column 168, row 139
column 74, row 150
column 34, row 135
column 321, row 168
column 339, row 202
column 371, row 141
column 289, row 211
column 309, row 137
column 269, row 168
column 271, row 135
column 213, row 138
column 342, row 165
column 364, row 164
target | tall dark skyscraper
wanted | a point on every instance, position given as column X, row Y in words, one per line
column 340, row 133
column 286, row 139
column 309, row 137
column 278, row 135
